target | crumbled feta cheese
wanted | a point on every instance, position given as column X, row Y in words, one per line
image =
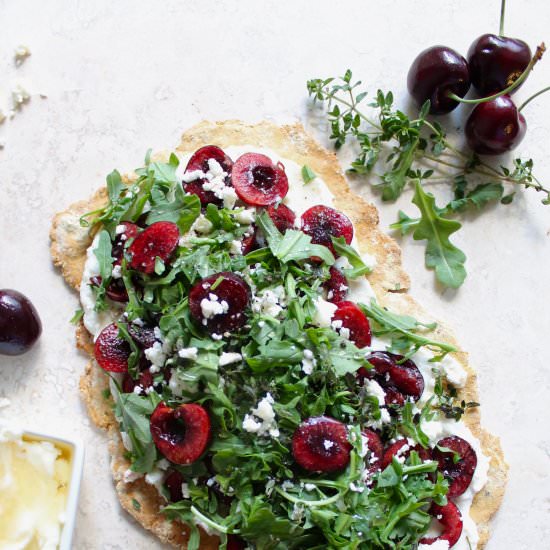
column 264, row 411
column 227, row 358
column 267, row 302
column 308, row 362
column 212, row 306
column 138, row 322
column 156, row 355
column 376, row 390
column 323, row 312
column 246, row 217
column 163, row 464
column 236, row 248
column 356, row 488
column 120, row 229
column 117, row 272
column 193, row 175
column 216, row 336
column 229, row 197
column 185, row 490
column 202, row 225
column 328, row 444
column 188, row 353
column 454, row 372
column 310, row 486
column 287, row 485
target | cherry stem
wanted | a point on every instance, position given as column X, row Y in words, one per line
column 540, row 92
column 502, row 10
column 522, row 77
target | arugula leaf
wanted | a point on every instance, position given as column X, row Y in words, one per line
column 403, row 327
column 441, row 254
column 358, row 266
column 308, row 175
column 293, row 245
column 182, row 209
column 78, row 314
column 105, row 260
column 114, row 185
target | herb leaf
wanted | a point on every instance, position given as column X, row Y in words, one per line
column 441, row 254
column 308, row 175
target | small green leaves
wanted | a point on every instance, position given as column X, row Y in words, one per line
column 78, row 314
column 441, row 254
column 293, row 245
column 136, row 505
column 114, row 185
column 358, row 266
column 308, row 175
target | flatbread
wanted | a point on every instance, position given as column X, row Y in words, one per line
column 69, row 243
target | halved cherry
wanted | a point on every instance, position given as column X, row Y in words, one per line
column 458, row 470
column 375, row 450
column 250, row 243
column 322, row 222
column 125, row 232
column 355, row 321
column 402, row 448
column 235, row 543
column 221, row 308
column 144, row 381
column 173, row 483
column 110, row 351
column 336, row 286
column 258, row 181
column 158, row 240
column 199, row 161
column 143, row 336
column 450, row 518
column 282, row 216
column 180, row 434
column 320, row 444
column 400, row 379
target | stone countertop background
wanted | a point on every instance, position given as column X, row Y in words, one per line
column 124, row 76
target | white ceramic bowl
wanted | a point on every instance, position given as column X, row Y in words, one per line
column 75, row 450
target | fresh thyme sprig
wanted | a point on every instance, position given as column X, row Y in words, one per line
column 400, row 150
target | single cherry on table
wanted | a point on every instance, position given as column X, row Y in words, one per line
column 20, row 325
column 435, row 73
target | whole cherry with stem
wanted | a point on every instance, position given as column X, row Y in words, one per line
column 496, row 61
column 497, row 126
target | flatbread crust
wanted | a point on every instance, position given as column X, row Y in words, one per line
column 69, row 243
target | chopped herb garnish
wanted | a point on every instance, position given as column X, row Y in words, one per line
column 308, row 175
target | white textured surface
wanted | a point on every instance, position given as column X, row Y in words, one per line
column 125, row 76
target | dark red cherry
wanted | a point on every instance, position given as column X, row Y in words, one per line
column 144, row 381
column 434, row 73
column 495, row 127
column 125, row 232
column 375, row 450
column 282, row 216
column 173, row 484
column 336, row 286
column 402, row 448
column 250, row 243
column 457, row 465
column 323, row 222
column 223, row 308
column 180, row 434
column 111, row 351
column 450, row 518
column 399, row 379
column 320, row 444
column 199, row 161
column 235, row 543
column 496, row 62
column 158, row 240
column 20, row 325
column 354, row 320
column 258, row 181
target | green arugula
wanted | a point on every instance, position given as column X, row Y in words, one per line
column 441, row 254
column 403, row 329
column 105, row 260
column 308, row 175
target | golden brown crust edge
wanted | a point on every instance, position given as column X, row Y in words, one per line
column 69, row 252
